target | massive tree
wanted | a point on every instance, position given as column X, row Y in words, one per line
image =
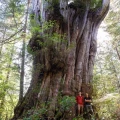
column 63, row 51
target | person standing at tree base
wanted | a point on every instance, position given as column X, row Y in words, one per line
column 88, row 105
column 80, row 103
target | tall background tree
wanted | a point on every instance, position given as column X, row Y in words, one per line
column 22, row 73
column 12, row 14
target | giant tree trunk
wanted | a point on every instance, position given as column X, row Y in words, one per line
column 66, row 66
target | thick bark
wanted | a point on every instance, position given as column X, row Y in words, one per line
column 60, row 67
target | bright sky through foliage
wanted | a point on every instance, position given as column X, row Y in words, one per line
column 103, row 36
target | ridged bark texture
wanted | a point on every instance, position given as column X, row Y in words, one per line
column 67, row 66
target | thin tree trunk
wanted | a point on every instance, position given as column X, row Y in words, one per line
column 1, row 45
column 117, row 53
column 64, row 67
column 115, row 71
column 23, row 56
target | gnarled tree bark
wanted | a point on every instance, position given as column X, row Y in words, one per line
column 65, row 67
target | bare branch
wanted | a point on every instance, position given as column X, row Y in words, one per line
column 11, row 36
column 117, row 53
column 11, row 41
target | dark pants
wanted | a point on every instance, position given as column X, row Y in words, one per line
column 89, row 108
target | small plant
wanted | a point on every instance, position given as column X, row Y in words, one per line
column 96, row 3
column 36, row 114
column 78, row 118
column 66, row 103
column 27, row 119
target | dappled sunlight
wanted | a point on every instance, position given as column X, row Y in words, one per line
column 107, row 97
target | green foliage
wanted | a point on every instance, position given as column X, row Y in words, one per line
column 27, row 119
column 106, row 77
column 96, row 3
column 66, row 103
column 82, row 3
column 16, row 7
column 113, row 26
column 45, row 37
column 36, row 114
column 36, row 28
column 78, row 118
column 8, row 83
column 107, row 80
column 55, row 2
column 12, row 15
column 48, row 38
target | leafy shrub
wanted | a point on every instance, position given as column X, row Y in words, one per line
column 66, row 103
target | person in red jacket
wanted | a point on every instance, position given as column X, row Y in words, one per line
column 80, row 102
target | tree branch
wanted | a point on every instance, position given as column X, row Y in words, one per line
column 105, row 5
column 10, row 41
column 117, row 53
column 11, row 36
column 101, row 12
